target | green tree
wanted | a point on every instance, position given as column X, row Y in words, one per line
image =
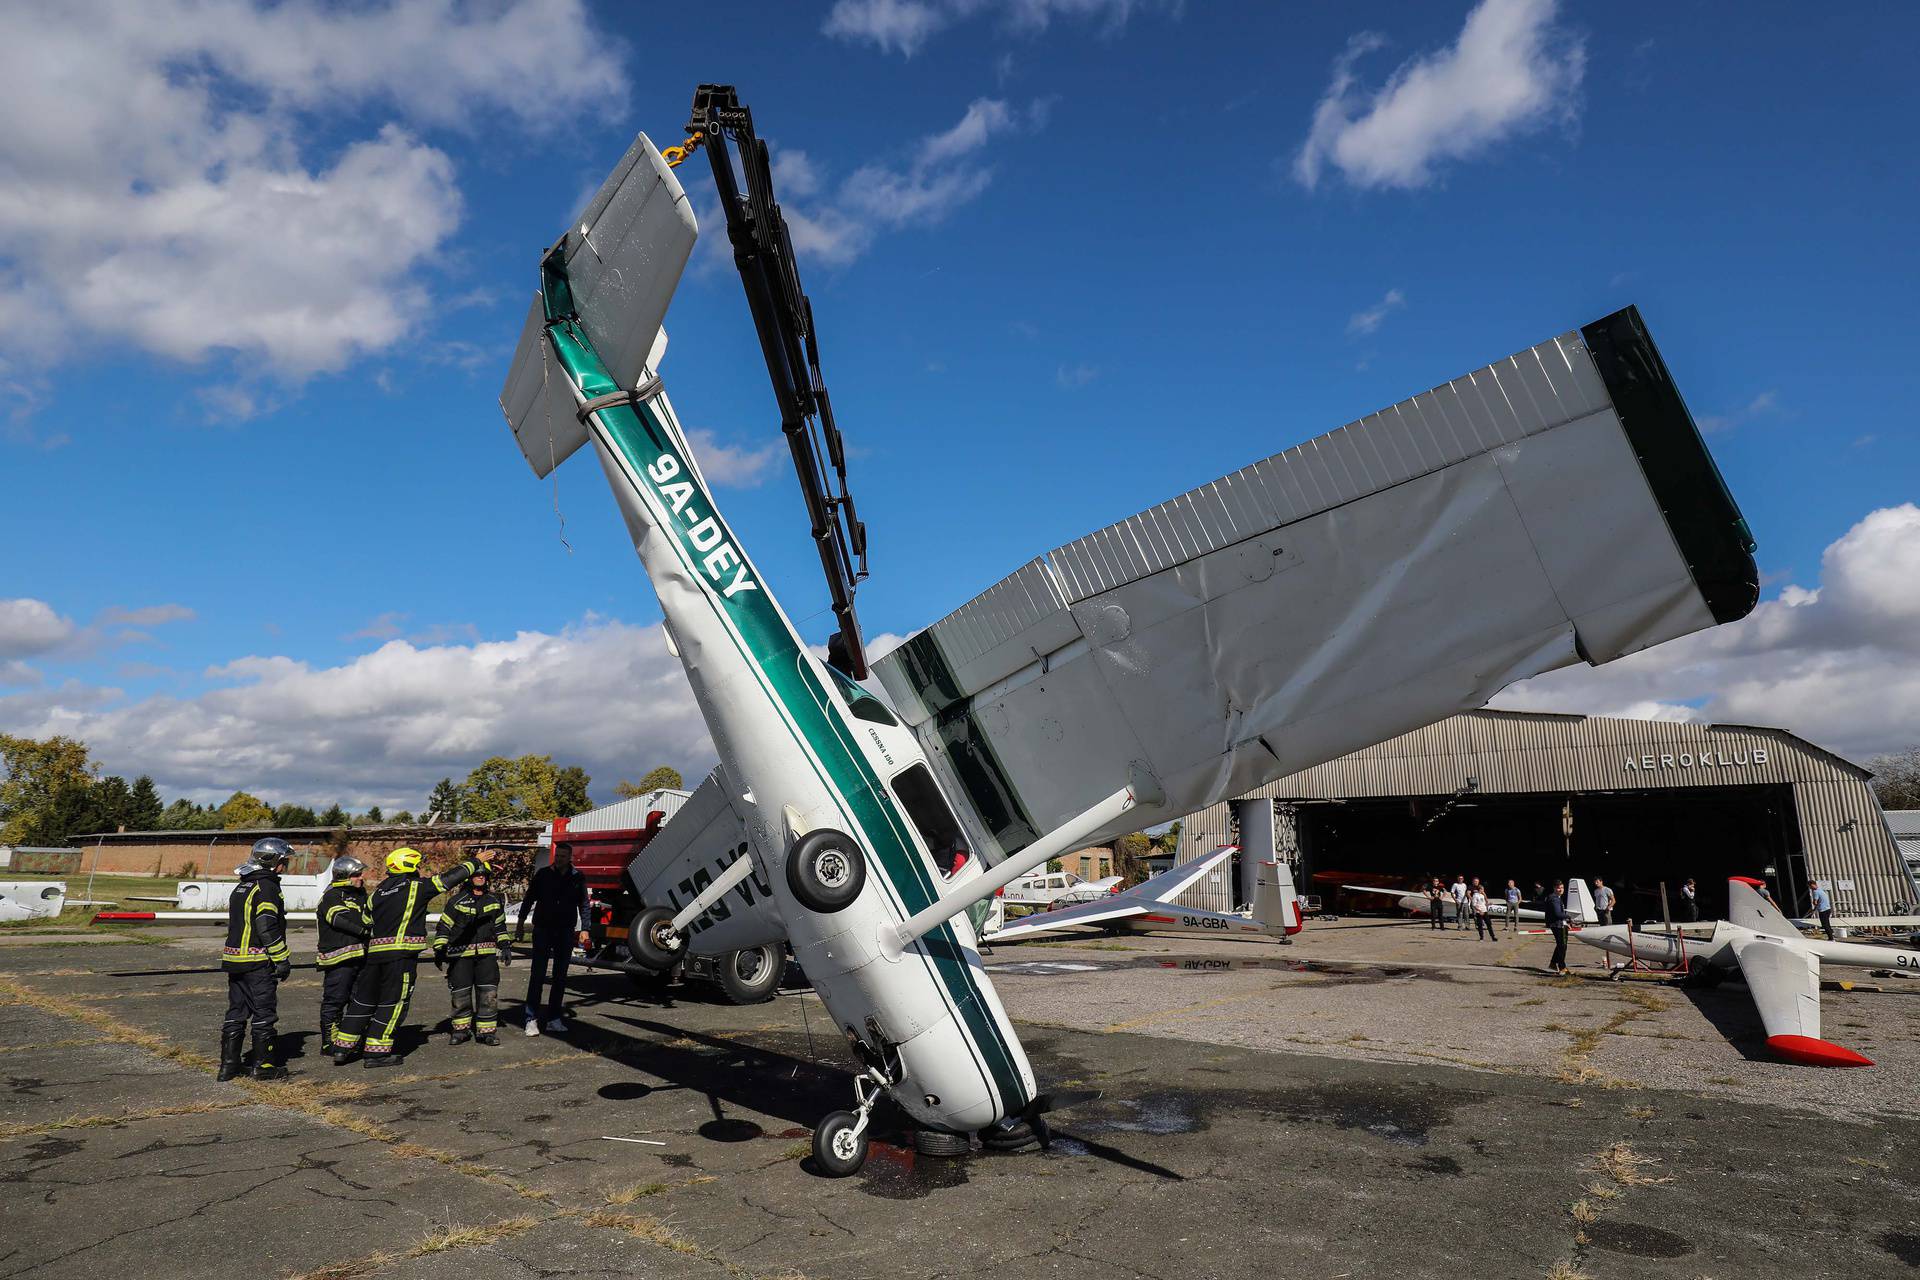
column 444, row 804
column 294, row 815
column 106, row 807
column 44, row 788
column 525, row 787
column 143, row 805
column 402, row 818
column 664, row 775
column 374, row 815
column 242, row 811
column 335, row 816
column 1169, row 841
column 1130, row 857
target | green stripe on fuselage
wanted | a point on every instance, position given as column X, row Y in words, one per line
column 772, row 648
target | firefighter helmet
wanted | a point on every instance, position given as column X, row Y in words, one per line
column 346, row 866
column 270, row 851
column 403, row 862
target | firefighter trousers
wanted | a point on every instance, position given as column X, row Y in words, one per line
column 336, row 988
column 378, row 1004
column 475, row 982
column 252, row 995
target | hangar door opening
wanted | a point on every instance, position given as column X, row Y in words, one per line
column 1631, row 839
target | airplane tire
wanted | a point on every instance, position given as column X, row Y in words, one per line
column 938, row 1142
column 752, row 976
column 826, row 870
column 837, row 1149
column 652, row 942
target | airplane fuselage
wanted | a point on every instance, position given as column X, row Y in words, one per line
column 800, row 760
column 1714, row 946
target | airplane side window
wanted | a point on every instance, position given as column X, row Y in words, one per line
column 862, row 704
column 927, row 809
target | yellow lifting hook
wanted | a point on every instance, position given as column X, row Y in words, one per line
column 674, row 155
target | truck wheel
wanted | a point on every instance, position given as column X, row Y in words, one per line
column 826, row 870
column 753, row 975
column 652, row 940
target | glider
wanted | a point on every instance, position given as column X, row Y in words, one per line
column 1149, row 907
column 1579, row 903
column 1556, row 507
column 1781, row 968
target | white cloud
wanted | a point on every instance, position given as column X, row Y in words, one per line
column 1766, row 404
column 177, row 178
column 945, row 171
column 150, row 615
column 1510, row 72
column 383, row 727
column 733, row 466
column 1073, row 377
column 29, row 627
column 905, row 26
column 1838, row 664
column 1367, row 321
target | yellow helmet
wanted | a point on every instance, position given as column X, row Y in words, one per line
column 403, row 862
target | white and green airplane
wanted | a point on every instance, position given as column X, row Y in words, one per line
column 1553, row 508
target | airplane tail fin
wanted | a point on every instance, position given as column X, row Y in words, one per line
column 1748, row 905
column 622, row 261
column 1275, row 904
column 1580, row 902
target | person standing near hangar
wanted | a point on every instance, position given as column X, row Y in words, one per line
column 256, row 961
column 341, row 949
column 468, row 944
column 557, row 897
column 398, row 920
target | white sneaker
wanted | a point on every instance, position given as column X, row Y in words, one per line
column 533, row 1026
column 557, row 1026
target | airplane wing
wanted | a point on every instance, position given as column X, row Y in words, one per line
column 1557, row 507
column 1406, row 900
column 1149, row 895
column 703, row 840
column 1785, row 981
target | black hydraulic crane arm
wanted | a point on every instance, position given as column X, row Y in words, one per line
column 763, row 252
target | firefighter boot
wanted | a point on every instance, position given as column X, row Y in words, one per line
column 231, row 1039
column 264, row 1065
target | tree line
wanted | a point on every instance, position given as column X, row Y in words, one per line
column 52, row 790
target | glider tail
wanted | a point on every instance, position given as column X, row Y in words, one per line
column 1580, row 902
column 1275, row 904
column 1748, row 904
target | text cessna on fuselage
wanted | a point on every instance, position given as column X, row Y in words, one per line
column 705, row 533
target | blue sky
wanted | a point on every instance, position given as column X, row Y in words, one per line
column 1066, row 259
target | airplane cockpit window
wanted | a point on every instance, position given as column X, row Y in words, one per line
column 927, row 809
column 863, row 704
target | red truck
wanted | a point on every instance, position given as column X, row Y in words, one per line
column 750, row 976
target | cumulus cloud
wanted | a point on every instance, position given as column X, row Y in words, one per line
column 945, row 170
column 1764, row 405
column 149, row 615
column 734, row 466
column 29, row 627
column 383, row 727
column 1510, row 72
column 905, row 26
column 197, row 177
column 1369, row 320
column 1838, row 664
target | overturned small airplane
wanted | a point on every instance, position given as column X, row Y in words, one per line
column 1781, row 968
column 1556, row 507
column 1149, row 907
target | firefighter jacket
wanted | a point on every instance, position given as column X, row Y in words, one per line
column 256, row 923
column 470, row 924
column 398, row 909
column 344, row 927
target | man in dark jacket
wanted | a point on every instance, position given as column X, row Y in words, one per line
column 397, row 912
column 558, row 899
column 1556, row 907
column 342, row 944
column 469, row 942
column 256, row 961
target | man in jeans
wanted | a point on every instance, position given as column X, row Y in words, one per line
column 1602, row 900
column 557, row 897
column 1556, row 905
column 1513, row 907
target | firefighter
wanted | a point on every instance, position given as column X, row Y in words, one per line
column 468, row 945
column 342, row 946
column 397, row 920
column 256, row 961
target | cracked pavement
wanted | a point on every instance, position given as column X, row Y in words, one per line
column 1240, row 1129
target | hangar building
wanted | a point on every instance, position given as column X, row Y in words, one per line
column 1534, row 796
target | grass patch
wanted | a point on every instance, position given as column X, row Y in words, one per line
column 1601, row 1191
column 113, row 1118
column 640, row 1227
column 1641, row 1113
column 1583, row 1212
column 1566, row 1271
column 1623, row 1164
column 801, row 1150
column 471, row 1237
column 638, row 1191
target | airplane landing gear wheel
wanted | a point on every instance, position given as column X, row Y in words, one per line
column 840, row 1144
column 826, row 870
column 652, row 940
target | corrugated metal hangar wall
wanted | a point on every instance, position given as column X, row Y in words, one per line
column 1834, row 831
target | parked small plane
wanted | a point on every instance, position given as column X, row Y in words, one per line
column 1554, row 508
column 1149, row 907
column 1045, row 888
column 1414, row 902
column 1781, row 968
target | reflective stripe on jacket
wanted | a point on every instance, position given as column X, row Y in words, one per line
column 470, row 924
column 256, row 925
column 397, row 909
column 343, row 922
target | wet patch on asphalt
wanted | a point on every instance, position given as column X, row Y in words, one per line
column 1637, row 1240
